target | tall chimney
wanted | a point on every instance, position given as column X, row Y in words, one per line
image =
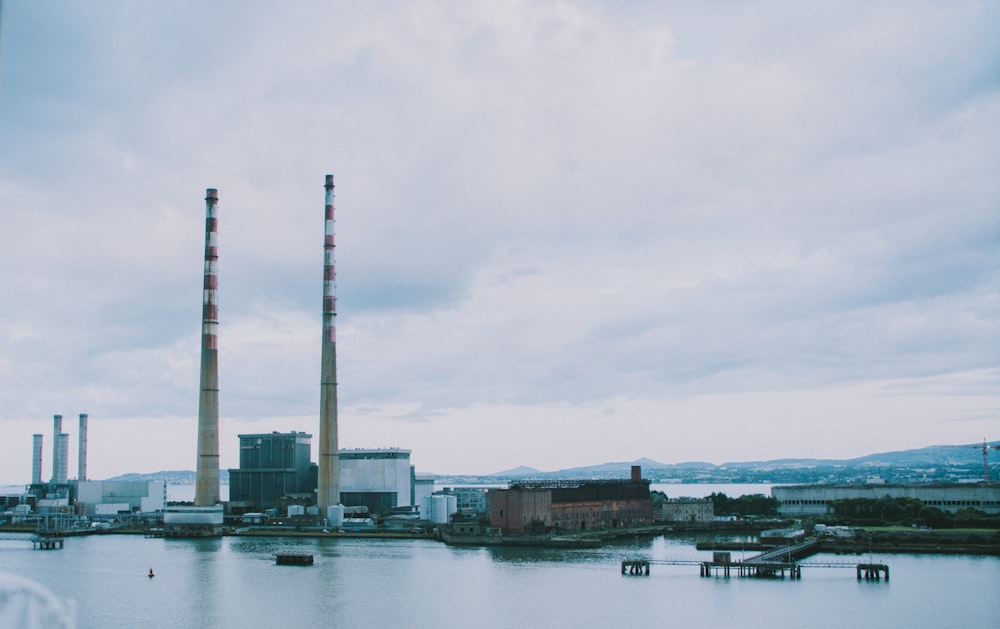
column 328, row 491
column 206, row 492
column 62, row 445
column 36, row 459
column 56, row 431
column 81, row 462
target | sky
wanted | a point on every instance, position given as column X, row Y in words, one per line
column 568, row 233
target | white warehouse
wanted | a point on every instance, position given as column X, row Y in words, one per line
column 380, row 479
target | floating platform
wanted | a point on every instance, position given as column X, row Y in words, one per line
column 294, row 559
column 47, row 543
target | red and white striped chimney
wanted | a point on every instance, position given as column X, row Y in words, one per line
column 328, row 490
column 207, row 468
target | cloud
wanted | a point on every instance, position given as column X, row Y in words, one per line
column 539, row 206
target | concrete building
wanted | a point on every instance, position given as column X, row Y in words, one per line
column 688, row 510
column 536, row 507
column 272, row 466
column 379, row 479
column 806, row 500
column 423, row 486
column 468, row 500
column 94, row 496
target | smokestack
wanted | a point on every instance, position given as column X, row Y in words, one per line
column 328, row 491
column 56, row 431
column 36, row 459
column 62, row 445
column 81, row 473
column 206, row 492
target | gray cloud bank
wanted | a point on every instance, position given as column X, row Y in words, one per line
column 549, row 210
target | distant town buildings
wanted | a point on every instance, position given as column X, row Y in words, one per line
column 688, row 510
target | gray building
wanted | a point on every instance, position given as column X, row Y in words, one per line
column 469, row 500
column 688, row 510
column 805, row 500
column 380, row 479
column 273, row 466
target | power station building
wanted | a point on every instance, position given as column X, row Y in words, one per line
column 273, row 466
column 380, row 479
column 538, row 507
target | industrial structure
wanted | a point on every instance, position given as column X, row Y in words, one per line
column 207, row 465
column 81, row 459
column 205, row 517
column 275, row 470
column 328, row 490
column 805, row 500
column 540, row 507
column 96, row 498
column 380, row 479
column 36, row 459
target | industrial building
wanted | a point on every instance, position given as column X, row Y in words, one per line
column 468, row 500
column 380, row 479
column 96, row 498
column 806, row 500
column 275, row 470
column 438, row 508
column 688, row 510
column 537, row 507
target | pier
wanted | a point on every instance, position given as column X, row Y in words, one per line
column 38, row 542
column 772, row 564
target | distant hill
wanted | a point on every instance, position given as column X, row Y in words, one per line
column 934, row 463
column 953, row 463
column 171, row 477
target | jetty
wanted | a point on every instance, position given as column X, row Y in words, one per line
column 774, row 563
column 38, row 542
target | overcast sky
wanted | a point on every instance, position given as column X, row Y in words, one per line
column 567, row 232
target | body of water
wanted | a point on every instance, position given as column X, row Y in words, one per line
column 234, row 582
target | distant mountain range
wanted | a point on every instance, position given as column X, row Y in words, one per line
column 933, row 463
column 952, row 463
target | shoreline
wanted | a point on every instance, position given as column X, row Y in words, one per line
column 982, row 542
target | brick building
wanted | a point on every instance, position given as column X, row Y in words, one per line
column 571, row 505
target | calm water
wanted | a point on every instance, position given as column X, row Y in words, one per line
column 234, row 582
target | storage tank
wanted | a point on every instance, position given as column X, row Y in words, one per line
column 437, row 507
column 335, row 515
